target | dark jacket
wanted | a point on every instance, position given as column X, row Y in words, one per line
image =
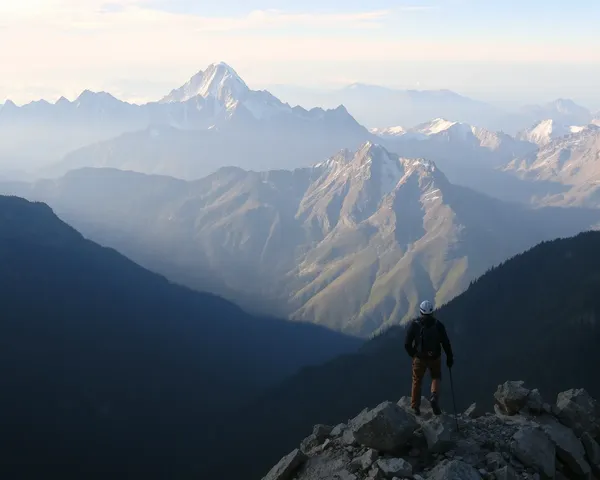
column 412, row 343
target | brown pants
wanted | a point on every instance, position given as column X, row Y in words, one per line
column 419, row 367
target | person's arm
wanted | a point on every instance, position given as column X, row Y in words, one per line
column 447, row 346
column 409, row 340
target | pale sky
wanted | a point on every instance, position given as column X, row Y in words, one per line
column 140, row 49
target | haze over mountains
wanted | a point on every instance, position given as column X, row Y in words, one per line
column 216, row 120
column 351, row 243
column 215, row 111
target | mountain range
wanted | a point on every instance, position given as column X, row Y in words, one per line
column 352, row 243
column 109, row 370
column 571, row 161
column 216, row 120
column 377, row 106
column 215, row 114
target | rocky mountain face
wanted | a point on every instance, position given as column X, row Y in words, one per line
column 525, row 438
column 571, row 161
column 352, row 243
column 214, row 109
column 548, row 130
column 469, row 156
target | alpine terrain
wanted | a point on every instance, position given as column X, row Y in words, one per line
column 214, row 120
column 352, row 243
column 571, row 162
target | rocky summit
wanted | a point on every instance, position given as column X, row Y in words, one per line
column 525, row 438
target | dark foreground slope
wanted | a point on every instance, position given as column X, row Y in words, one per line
column 108, row 370
column 535, row 318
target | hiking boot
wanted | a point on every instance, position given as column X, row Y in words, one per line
column 435, row 405
column 416, row 411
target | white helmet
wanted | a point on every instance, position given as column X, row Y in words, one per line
column 426, row 307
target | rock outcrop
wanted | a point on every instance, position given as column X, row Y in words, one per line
column 525, row 438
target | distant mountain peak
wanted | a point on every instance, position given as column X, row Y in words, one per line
column 547, row 130
column 219, row 80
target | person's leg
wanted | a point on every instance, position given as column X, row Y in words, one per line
column 418, row 371
column 435, row 367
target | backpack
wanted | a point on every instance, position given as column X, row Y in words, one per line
column 429, row 339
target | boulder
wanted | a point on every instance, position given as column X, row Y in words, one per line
column 309, row 443
column 365, row 461
column 394, row 467
column 454, row 470
column 348, row 438
column 579, row 411
column 338, row 430
column 512, row 396
column 322, row 431
column 473, row 411
column 568, row 447
column 592, row 449
column 534, row 449
column 386, row 428
column 287, row 466
column 505, row 473
column 375, row 474
column 535, row 402
column 439, row 433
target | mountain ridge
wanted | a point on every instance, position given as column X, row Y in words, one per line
column 352, row 242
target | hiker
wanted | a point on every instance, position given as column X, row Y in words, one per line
column 425, row 338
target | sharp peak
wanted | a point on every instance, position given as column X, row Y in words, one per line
column 371, row 146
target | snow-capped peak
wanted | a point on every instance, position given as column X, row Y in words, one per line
column 219, row 80
column 545, row 131
column 437, row 125
column 389, row 131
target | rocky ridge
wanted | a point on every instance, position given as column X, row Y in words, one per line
column 525, row 438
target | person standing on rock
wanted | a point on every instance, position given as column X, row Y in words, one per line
column 425, row 338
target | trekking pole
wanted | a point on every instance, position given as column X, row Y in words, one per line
column 453, row 400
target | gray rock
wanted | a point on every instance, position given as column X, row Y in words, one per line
column 473, row 411
column 511, row 396
column 385, row 428
column 365, row 461
column 348, row 438
column 535, row 402
column 346, row 475
column 375, row 474
column 439, row 433
column 592, row 449
column 287, row 466
column 579, row 411
column 338, row 430
column 534, row 449
column 568, row 447
column 495, row 461
column 394, row 467
column 309, row 443
column 326, row 444
column 322, row 431
column 505, row 473
column 454, row 470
